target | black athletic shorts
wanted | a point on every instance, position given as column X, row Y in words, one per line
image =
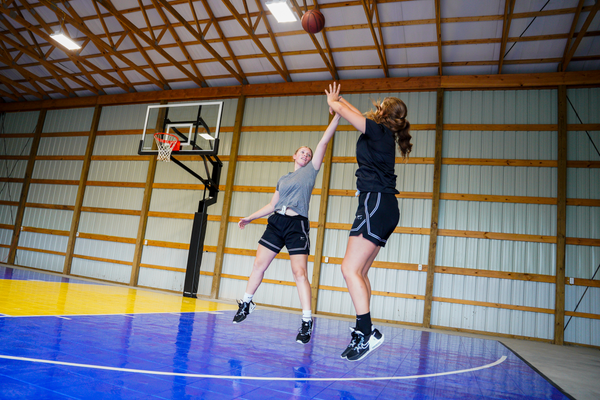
column 288, row 231
column 377, row 217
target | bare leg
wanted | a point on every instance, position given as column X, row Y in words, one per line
column 263, row 259
column 365, row 272
column 299, row 269
column 360, row 253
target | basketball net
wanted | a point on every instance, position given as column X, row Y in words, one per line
column 166, row 143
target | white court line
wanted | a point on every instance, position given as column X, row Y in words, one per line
column 254, row 378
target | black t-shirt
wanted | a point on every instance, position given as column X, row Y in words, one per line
column 376, row 156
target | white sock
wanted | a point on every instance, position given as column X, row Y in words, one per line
column 247, row 298
column 306, row 315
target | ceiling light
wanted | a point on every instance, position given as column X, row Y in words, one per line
column 65, row 41
column 281, row 10
column 206, row 136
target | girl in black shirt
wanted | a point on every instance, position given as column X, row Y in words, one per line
column 377, row 215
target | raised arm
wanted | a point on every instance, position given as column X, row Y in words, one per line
column 266, row 210
column 317, row 159
column 345, row 109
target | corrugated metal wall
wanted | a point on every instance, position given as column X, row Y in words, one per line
column 496, row 251
column 583, row 222
column 20, row 128
column 56, row 174
column 510, row 255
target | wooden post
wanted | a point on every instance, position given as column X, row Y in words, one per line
column 12, row 254
column 435, row 206
column 85, row 170
column 231, row 167
column 143, row 223
column 561, row 218
column 325, row 185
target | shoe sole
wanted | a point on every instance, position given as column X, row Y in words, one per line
column 371, row 349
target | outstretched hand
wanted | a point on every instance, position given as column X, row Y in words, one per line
column 333, row 94
column 243, row 222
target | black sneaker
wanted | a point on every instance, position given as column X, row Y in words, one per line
column 304, row 332
column 243, row 311
column 353, row 342
column 365, row 345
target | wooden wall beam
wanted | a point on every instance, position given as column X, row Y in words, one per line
column 404, row 84
column 435, row 206
column 143, row 223
column 321, row 225
column 561, row 218
column 25, row 187
column 85, row 170
column 227, row 195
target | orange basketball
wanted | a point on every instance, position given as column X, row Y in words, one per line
column 313, row 21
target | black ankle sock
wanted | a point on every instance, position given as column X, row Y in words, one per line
column 363, row 323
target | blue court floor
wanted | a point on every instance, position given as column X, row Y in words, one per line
column 202, row 355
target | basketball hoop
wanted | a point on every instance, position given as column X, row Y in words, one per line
column 166, row 144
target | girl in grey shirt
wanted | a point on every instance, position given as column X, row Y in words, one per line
column 288, row 226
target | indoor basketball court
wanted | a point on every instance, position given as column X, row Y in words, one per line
column 65, row 338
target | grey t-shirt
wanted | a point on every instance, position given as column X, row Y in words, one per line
column 295, row 189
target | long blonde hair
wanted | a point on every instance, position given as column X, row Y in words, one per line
column 391, row 112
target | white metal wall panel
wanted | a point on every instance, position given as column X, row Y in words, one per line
column 52, row 194
column 582, row 330
column 63, row 170
column 45, row 261
column 100, row 249
column 117, row 145
column 500, row 107
column 69, row 120
column 10, row 191
column 123, row 117
column 101, row 270
column 21, row 122
column 48, row 219
column 62, row 146
column 497, row 107
column 113, row 197
column 118, row 171
column 583, row 221
column 109, row 224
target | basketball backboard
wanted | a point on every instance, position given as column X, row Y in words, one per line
column 196, row 125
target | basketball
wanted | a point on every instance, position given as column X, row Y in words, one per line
column 313, row 21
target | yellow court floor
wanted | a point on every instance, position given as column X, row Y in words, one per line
column 39, row 298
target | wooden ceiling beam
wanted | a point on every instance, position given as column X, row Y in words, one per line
column 330, row 65
column 181, row 46
column 16, row 85
column 77, row 60
column 225, row 41
column 508, row 13
column 584, row 28
column 257, row 42
column 263, row 16
column 382, row 58
column 148, row 24
column 35, row 56
column 10, row 96
column 130, row 26
column 438, row 30
column 571, row 32
column 426, row 83
column 100, row 44
column 201, row 39
column 33, row 79
column 54, row 71
column 107, row 57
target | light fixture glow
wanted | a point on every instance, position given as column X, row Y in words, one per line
column 281, row 10
column 65, row 41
